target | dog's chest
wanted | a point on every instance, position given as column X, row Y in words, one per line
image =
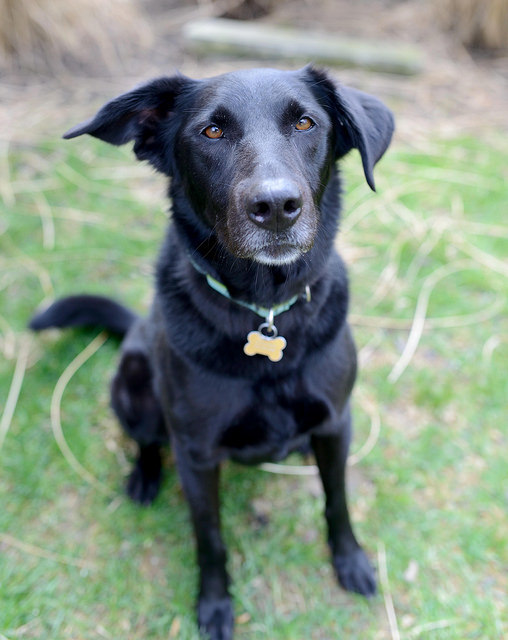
column 242, row 419
column 272, row 427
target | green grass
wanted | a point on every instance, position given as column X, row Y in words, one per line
column 79, row 561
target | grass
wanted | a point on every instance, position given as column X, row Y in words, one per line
column 428, row 492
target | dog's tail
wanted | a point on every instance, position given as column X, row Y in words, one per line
column 85, row 311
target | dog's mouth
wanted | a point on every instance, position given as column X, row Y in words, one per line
column 245, row 240
column 278, row 253
column 269, row 248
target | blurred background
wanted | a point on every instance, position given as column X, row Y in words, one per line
column 447, row 57
column 427, row 260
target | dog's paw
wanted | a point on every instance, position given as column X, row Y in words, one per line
column 355, row 573
column 215, row 618
column 143, row 487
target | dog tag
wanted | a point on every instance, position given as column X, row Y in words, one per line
column 260, row 344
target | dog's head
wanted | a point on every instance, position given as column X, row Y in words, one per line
column 251, row 151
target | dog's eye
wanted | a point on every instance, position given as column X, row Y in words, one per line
column 213, row 132
column 305, row 123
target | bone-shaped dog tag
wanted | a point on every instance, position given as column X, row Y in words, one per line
column 260, row 344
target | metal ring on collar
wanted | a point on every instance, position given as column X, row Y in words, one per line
column 271, row 328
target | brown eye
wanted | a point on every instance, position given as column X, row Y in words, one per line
column 213, row 132
column 304, row 124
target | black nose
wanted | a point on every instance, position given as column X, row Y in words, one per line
column 275, row 205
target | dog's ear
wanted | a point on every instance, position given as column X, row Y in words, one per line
column 360, row 121
column 142, row 115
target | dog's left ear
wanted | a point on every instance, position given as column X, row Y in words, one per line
column 143, row 115
column 360, row 121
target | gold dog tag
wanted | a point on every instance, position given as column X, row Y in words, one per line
column 260, row 344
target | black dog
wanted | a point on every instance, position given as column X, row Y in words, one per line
column 256, row 200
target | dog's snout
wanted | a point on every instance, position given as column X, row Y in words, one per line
column 275, row 205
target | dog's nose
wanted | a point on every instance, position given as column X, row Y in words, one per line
column 276, row 205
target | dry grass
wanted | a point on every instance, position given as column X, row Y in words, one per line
column 59, row 35
column 477, row 23
column 395, row 250
column 56, row 422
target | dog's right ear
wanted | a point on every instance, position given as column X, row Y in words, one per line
column 141, row 115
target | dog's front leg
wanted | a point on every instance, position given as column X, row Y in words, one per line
column 351, row 564
column 201, row 487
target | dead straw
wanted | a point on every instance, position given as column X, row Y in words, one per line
column 370, row 407
column 477, row 23
column 6, row 190
column 33, row 550
column 420, row 314
column 387, row 596
column 59, row 35
column 56, row 423
column 426, row 627
column 15, row 388
column 442, row 322
column 47, row 222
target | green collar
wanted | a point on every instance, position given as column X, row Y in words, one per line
column 264, row 312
